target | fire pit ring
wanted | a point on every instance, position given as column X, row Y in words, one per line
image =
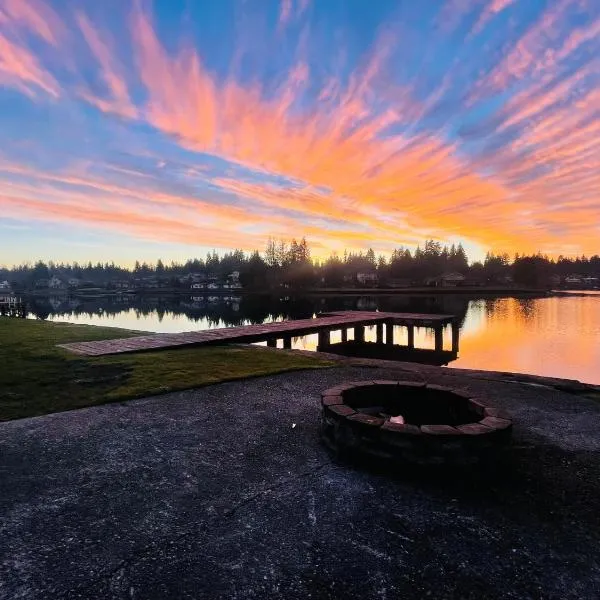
column 412, row 422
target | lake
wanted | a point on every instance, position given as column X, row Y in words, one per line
column 557, row 336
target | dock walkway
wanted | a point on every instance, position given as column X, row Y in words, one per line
column 268, row 332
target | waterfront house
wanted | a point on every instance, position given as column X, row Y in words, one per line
column 74, row 282
column 56, row 283
column 367, row 278
column 5, row 286
column 452, row 279
column 573, row 280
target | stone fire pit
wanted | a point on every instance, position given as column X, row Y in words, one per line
column 412, row 422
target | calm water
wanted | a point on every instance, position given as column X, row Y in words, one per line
column 554, row 336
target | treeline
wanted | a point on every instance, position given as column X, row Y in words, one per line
column 291, row 264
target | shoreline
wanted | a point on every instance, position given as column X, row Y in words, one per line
column 417, row 290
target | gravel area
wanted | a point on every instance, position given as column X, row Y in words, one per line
column 227, row 492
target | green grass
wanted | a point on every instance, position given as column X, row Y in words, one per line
column 37, row 378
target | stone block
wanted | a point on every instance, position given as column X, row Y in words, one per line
column 439, row 430
column 337, row 390
column 439, row 388
column 339, row 410
column 477, row 405
column 331, row 400
column 496, row 423
column 496, row 412
column 363, row 419
column 401, row 428
column 474, row 429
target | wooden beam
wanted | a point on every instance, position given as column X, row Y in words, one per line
column 389, row 333
column 324, row 338
column 439, row 339
column 455, row 336
column 359, row 333
column 411, row 336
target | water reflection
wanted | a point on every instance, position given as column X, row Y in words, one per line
column 554, row 336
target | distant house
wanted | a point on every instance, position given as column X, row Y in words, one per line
column 446, row 280
column 367, row 278
column 73, row 282
column 41, row 283
column 573, row 280
column 198, row 286
column 5, row 286
column 213, row 286
column 120, row 284
column 56, row 284
column 234, row 276
column 190, row 278
column 232, row 285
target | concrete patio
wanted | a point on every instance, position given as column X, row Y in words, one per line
column 227, row 492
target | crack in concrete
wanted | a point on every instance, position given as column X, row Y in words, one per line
column 148, row 550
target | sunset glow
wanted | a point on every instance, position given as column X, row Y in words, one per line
column 162, row 129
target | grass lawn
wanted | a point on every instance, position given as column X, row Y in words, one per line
column 37, row 378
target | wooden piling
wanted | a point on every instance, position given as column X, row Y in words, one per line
column 439, row 339
column 411, row 336
column 389, row 333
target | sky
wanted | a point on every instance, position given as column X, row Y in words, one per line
column 139, row 129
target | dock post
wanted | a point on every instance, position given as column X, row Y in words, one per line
column 455, row 336
column 272, row 343
column 344, row 335
column 439, row 339
column 324, row 338
column 379, row 333
column 359, row 333
column 411, row 336
column 389, row 333
column 287, row 343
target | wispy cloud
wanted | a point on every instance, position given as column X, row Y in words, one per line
column 118, row 100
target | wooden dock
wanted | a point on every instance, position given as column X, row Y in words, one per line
column 271, row 332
